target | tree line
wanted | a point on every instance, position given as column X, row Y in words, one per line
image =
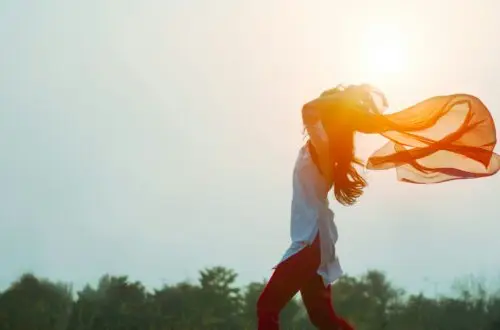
column 215, row 302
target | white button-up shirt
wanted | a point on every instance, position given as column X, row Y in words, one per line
column 310, row 215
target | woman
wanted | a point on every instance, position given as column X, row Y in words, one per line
column 440, row 139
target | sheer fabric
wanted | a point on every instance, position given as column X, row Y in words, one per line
column 440, row 139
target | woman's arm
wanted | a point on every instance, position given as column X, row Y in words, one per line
column 311, row 117
column 347, row 108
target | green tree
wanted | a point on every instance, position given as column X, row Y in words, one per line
column 369, row 302
column 34, row 304
column 250, row 298
column 117, row 303
column 223, row 304
column 178, row 307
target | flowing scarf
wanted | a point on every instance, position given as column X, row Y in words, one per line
column 440, row 139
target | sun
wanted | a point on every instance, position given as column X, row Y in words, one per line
column 384, row 52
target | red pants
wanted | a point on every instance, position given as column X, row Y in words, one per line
column 298, row 273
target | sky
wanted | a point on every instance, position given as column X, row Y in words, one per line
column 157, row 138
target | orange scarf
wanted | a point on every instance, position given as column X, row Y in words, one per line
column 440, row 139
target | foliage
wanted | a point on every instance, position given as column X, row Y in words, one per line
column 369, row 302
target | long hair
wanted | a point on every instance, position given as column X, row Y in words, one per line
column 348, row 183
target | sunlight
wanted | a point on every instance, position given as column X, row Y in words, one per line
column 384, row 53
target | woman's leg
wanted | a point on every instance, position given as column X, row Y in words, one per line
column 287, row 279
column 318, row 301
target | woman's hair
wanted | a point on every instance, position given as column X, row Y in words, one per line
column 348, row 184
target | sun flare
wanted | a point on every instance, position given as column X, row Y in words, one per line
column 384, row 53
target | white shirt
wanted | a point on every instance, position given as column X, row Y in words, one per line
column 310, row 215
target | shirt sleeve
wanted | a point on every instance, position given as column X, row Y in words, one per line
column 315, row 129
column 318, row 130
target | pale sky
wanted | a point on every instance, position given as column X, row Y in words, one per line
column 155, row 138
